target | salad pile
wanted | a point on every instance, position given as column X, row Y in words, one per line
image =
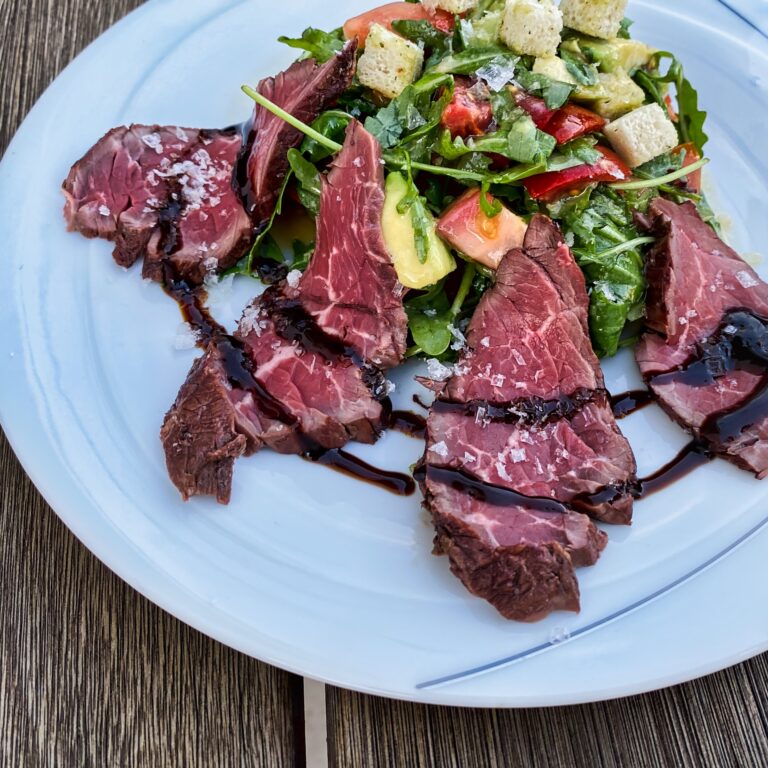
column 488, row 112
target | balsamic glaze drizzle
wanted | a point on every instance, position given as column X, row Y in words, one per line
column 627, row 403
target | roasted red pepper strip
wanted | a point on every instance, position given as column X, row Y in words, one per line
column 551, row 186
column 565, row 124
column 470, row 112
column 537, row 108
column 571, row 121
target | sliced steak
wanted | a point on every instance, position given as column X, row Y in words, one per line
column 162, row 193
column 213, row 422
column 297, row 388
column 705, row 357
column 521, row 441
column 304, row 90
column 351, row 287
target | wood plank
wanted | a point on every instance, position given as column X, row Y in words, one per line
column 721, row 720
column 91, row 673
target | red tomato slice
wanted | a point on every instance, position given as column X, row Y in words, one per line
column 466, row 227
column 359, row 26
column 470, row 112
column 691, row 156
column 551, row 186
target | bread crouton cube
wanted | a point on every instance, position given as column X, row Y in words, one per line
column 451, row 6
column 389, row 63
column 622, row 94
column 599, row 18
column 554, row 68
column 532, row 27
column 642, row 135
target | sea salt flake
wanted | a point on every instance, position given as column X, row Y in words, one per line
column 185, row 338
column 437, row 371
column 469, row 458
column 502, row 470
column 518, row 455
column 486, row 342
column 441, row 449
column 389, row 387
column 498, row 380
column 460, row 340
column 746, row 280
column 153, row 141
column 498, row 72
column 104, row 211
column 250, row 321
column 691, row 313
column 682, row 321
column 430, row 312
column 519, row 359
column 181, row 134
column 293, row 278
column 358, row 162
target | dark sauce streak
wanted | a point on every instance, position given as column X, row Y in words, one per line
column 533, row 410
column 492, row 494
column 627, row 403
column 346, row 463
column 696, row 454
column 407, row 423
column 240, row 181
column 739, row 344
column 420, row 403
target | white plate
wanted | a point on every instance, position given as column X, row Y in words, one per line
column 306, row 569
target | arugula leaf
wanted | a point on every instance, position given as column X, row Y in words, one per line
column 432, row 318
column 607, row 247
column 308, row 177
column 468, row 62
column 582, row 71
column 302, row 253
column 317, row 44
column 554, row 93
column 412, row 111
column 491, row 208
column 624, row 33
column 332, row 124
column 691, row 118
column 426, row 35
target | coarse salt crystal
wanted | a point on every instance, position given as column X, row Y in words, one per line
column 518, row 455
column 460, row 340
column 185, row 338
column 358, row 162
column 498, row 72
column 519, row 359
column 437, row 371
column 104, row 211
column 430, row 312
column 746, row 280
column 181, row 134
column 486, row 342
column 250, row 320
column 293, row 278
column 441, row 449
column 498, row 380
column 469, row 458
column 502, row 470
column 153, row 141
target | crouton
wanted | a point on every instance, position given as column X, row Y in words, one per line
column 622, row 94
column 452, row 6
column 599, row 18
column 389, row 62
column 532, row 27
column 642, row 135
column 553, row 67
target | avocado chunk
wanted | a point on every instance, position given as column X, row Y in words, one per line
column 399, row 236
column 614, row 55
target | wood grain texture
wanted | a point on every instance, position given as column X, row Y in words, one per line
column 719, row 721
column 91, row 673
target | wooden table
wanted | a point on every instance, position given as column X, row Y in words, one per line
column 92, row 674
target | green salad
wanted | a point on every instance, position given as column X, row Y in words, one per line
column 488, row 112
